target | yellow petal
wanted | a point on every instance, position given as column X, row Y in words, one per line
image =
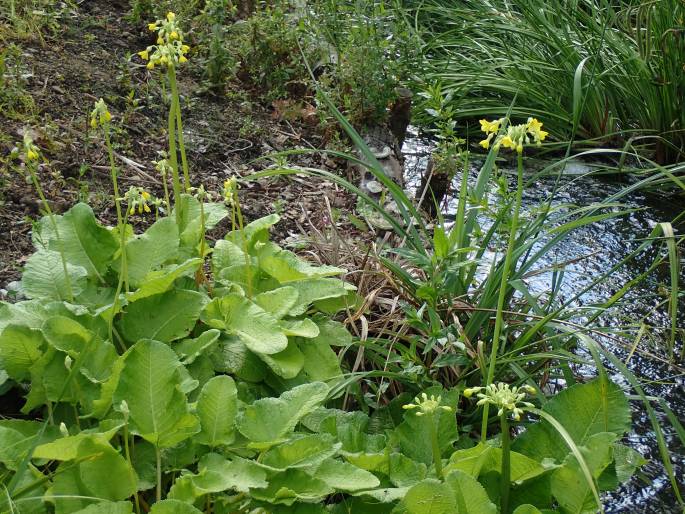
column 146, row 208
column 144, row 55
column 152, row 26
column 485, row 143
column 170, row 16
column 182, row 59
column 150, row 65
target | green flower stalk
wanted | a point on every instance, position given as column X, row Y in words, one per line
column 514, row 138
column 164, row 168
column 231, row 199
column 508, row 400
column 170, row 51
column 428, row 406
column 31, row 157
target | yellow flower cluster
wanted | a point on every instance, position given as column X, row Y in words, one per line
column 516, row 135
column 100, row 114
column 169, row 48
column 138, row 199
column 426, row 405
column 504, row 397
column 31, row 151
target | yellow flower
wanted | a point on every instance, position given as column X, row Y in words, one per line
column 160, row 41
column 170, row 16
column 507, row 142
column 152, row 26
column 182, row 59
column 534, row 128
column 173, row 35
column 145, row 55
column 132, row 210
column 490, row 127
column 145, row 195
column 150, row 65
column 146, row 207
column 32, row 155
column 485, row 143
column 93, row 123
column 164, row 59
column 185, row 49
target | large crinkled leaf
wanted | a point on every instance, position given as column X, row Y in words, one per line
column 278, row 301
column 217, row 406
column 285, row 266
column 149, row 250
column 163, row 317
column 83, row 240
column 92, row 477
column 344, row 476
column 315, row 289
column 173, row 507
column 568, row 484
column 268, row 420
column 20, row 349
column 30, row 313
column 238, row 316
column 66, row 334
column 405, row 472
column 160, row 281
column 150, row 383
column 332, row 332
column 232, row 356
column 217, row 474
column 290, row 486
column 44, row 277
column 301, row 452
column 583, row 410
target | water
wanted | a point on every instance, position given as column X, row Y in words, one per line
column 599, row 246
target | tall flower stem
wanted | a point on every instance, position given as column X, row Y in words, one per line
column 431, row 419
column 181, row 145
column 505, row 479
column 508, row 260
column 53, row 222
column 173, row 157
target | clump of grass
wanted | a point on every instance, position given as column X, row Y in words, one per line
column 601, row 72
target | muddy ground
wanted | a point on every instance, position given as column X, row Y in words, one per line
column 51, row 84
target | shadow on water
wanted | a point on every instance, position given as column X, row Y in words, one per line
column 590, row 251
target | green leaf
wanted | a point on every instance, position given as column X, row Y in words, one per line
column 320, row 361
column 108, row 508
column 20, row 348
column 66, row 335
column 300, row 328
column 526, row 508
column 292, row 485
column 157, row 282
column 301, row 452
column 332, row 332
column 344, row 476
column 583, row 410
column 232, row 356
column 470, row 496
column 190, row 226
column 278, row 301
column 92, row 476
column 238, row 316
column 30, row 313
column 44, row 277
column 568, row 484
column 285, row 266
column 255, row 231
column 18, row 436
column 149, row 250
column 217, row 474
column 315, row 289
column 191, row 349
column 149, row 383
column 83, row 240
column 163, row 317
column 286, row 364
column 173, row 507
column 405, row 472
column 217, row 407
column 268, row 420
column 430, row 497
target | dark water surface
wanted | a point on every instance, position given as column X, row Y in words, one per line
column 598, row 247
